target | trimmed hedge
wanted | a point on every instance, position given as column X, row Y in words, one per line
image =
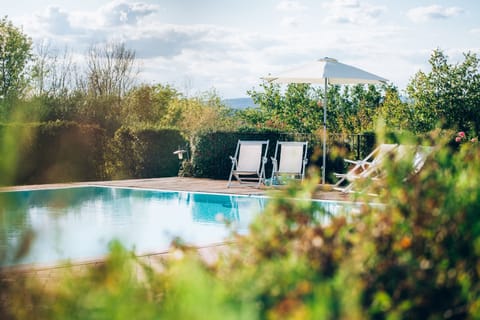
column 212, row 150
column 67, row 151
column 50, row 152
column 144, row 153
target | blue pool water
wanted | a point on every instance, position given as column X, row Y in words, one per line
column 78, row 223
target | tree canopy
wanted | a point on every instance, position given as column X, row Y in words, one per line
column 448, row 95
column 15, row 54
column 350, row 109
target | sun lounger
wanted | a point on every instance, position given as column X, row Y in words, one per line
column 248, row 163
column 414, row 155
column 289, row 161
column 369, row 167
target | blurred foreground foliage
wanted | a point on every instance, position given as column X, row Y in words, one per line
column 413, row 256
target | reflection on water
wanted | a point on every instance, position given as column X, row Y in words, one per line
column 238, row 210
column 328, row 209
column 78, row 223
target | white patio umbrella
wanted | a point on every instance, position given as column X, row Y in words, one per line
column 326, row 71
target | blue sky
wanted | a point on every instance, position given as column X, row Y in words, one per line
column 229, row 45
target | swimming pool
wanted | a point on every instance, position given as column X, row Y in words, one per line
column 78, row 223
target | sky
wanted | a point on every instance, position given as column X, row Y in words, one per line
column 229, row 45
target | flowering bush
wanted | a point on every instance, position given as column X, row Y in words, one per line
column 462, row 137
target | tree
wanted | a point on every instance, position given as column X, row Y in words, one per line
column 396, row 113
column 351, row 109
column 53, row 74
column 148, row 104
column 296, row 110
column 111, row 70
column 201, row 113
column 449, row 94
column 15, row 54
column 109, row 75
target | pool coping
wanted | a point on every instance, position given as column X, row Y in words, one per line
column 29, row 268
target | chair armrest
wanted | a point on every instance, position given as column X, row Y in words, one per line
column 361, row 163
column 352, row 161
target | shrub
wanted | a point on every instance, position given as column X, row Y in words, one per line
column 144, row 153
column 52, row 152
column 422, row 257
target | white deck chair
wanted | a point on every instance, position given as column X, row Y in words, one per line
column 420, row 157
column 289, row 161
column 416, row 154
column 369, row 167
column 248, row 164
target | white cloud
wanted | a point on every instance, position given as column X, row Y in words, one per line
column 345, row 3
column 118, row 14
column 121, row 12
column 475, row 31
column 197, row 56
column 433, row 12
column 231, row 65
column 292, row 21
column 290, row 6
column 293, row 10
column 55, row 21
column 168, row 40
column 118, row 20
column 352, row 12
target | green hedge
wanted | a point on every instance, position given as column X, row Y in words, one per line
column 35, row 153
column 211, row 150
column 67, row 151
column 144, row 153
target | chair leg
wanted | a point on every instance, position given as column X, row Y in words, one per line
column 261, row 178
column 229, row 181
column 230, row 178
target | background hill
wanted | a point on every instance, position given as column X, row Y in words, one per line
column 240, row 103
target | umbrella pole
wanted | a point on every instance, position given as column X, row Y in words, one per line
column 324, row 132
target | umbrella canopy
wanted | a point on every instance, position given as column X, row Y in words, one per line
column 326, row 68
column 326, row 71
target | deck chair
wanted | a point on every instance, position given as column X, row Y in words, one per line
column 420, row 157
column 413, row 156
column 248, row 164
column 289, row 161
column 417, row 155
column 369, row 167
